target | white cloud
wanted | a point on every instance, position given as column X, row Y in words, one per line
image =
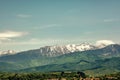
column 24, row 15
column 110, row 20
column 47, row 26
column 7, row 36
column 11, row 34
column 103, row 43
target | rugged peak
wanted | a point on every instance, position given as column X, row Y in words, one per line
column 64, row 49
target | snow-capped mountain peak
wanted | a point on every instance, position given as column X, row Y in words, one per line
column 8, row 52
column 57, row 50
column 65, row 49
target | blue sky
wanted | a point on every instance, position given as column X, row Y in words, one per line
column 29, row 24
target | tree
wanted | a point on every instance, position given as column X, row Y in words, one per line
column 62, row 73
column 81, row 74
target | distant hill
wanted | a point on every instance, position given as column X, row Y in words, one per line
column 104, row 66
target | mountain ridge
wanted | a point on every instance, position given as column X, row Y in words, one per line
column 57, row 50
column 33, row 58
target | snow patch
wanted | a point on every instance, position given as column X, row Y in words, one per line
column 103, row 43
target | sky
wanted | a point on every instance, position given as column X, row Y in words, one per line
column 30, row 24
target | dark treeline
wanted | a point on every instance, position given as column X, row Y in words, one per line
column 55, row 76
column 42, row 76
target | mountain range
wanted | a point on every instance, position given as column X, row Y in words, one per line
column 83, row 57
column 52, row 51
